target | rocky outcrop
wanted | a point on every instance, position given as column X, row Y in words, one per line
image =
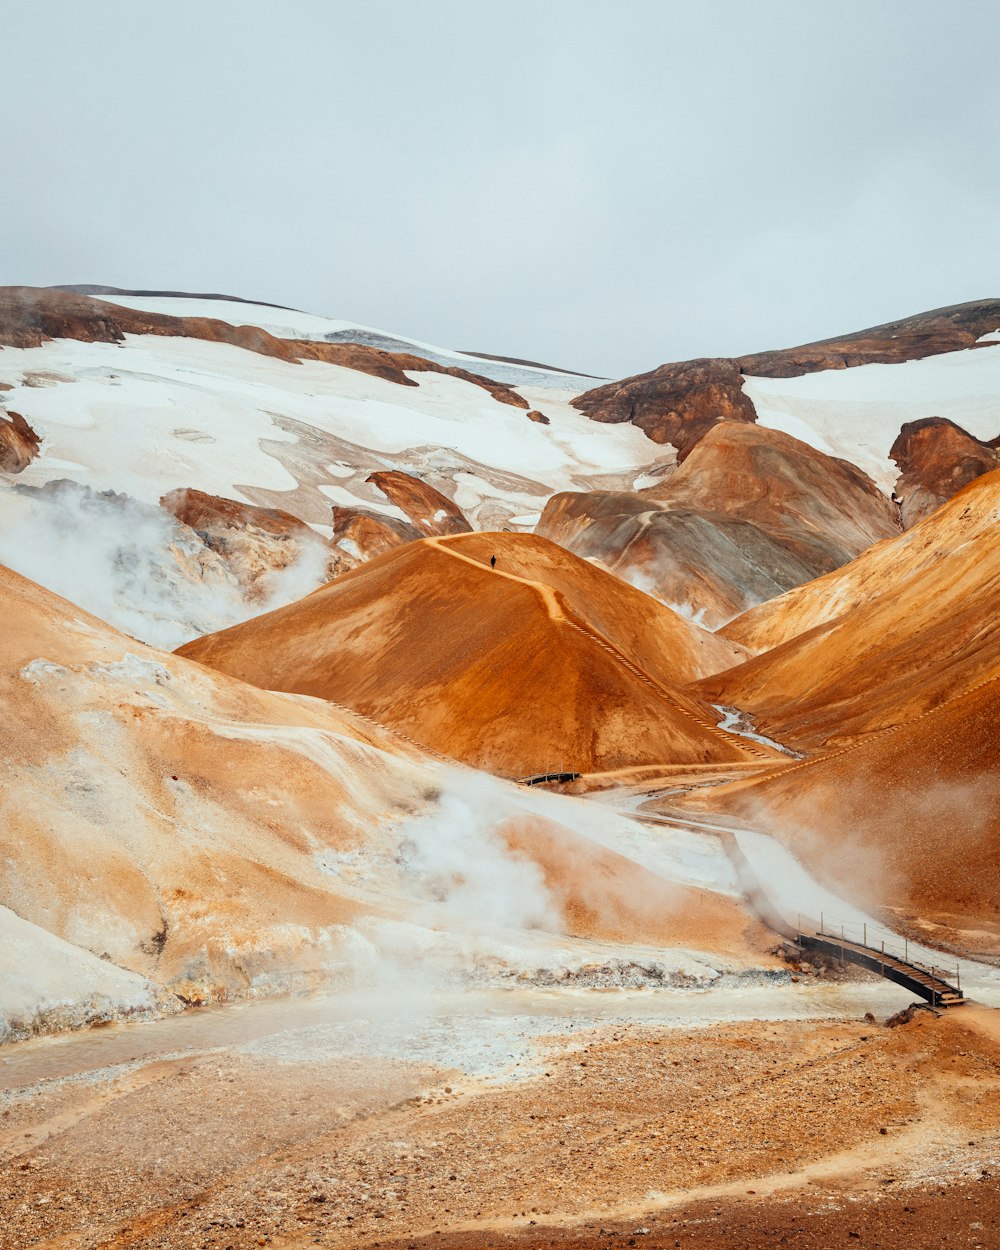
column 363, row 535
column 254, row 542
column 678, row 403
column 538, row 417
column 430, row 512
column 18, row 442
column 30, row 315
column 750, row 514
column 936, row 459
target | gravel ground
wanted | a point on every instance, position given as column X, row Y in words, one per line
column 725, row 1135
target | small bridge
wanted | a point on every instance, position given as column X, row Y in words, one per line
column 925, row 980
column 938, row 986
column 538, row 778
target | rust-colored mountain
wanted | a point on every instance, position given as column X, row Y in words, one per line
column 904, row 628
column 826, row 510
column 545, row 661
column 936, row 458
column 905, row 821
column 203, row 834
column 750, row 513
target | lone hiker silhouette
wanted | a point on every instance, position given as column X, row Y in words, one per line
column 493, row 562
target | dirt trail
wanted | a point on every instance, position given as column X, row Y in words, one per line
column 561, row 613
column 550, row 598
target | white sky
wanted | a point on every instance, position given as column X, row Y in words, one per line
column 600, row 186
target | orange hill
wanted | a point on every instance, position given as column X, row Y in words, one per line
column 908, row 819
column 546, row 661
column 204, row 836
column 892, row 635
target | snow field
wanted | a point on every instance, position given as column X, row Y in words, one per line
column 857, row 413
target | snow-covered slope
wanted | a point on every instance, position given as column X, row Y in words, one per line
column 155, row 414
column 857, row 413
column 163, row 411
column 289, row 323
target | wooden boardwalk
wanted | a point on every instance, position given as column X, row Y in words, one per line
column 927, row 982
column 933, row 984
column 538, row 778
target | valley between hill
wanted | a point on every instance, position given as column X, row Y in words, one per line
column 287, row 955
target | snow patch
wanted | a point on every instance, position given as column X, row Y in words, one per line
column 736, row 721
column 857, row 413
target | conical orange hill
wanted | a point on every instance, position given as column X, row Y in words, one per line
column 543, row 661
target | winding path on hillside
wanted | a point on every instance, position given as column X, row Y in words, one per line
column 560, row 613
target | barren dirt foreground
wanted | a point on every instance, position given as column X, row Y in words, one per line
column 246, row 1127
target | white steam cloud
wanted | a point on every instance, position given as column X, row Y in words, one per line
column 134, row 566
column 458, row 863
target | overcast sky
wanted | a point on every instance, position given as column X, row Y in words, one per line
column 603, row 186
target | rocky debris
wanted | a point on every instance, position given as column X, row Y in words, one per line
column 18, row 442
column 539, row 417
column 901, row 1017
column 254, row 542
column 678, row 403
column 29, row 316
column 363, row 535
column 612, row 974
column 821, row 967
column 431, row 512
column 936, row 458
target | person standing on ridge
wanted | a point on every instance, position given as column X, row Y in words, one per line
column 493, row 562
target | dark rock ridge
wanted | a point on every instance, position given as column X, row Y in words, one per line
column 95, row 288
column 674, row 404
column 29, row 316
column 678, row 403
column 18, row 442
column 936, row 458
